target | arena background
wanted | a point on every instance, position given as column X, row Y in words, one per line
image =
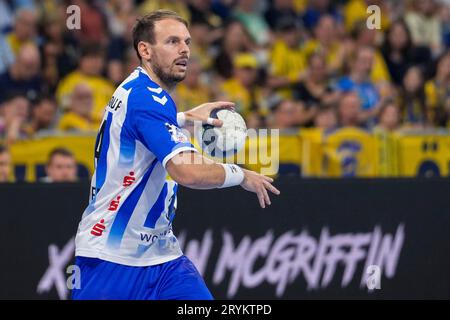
column 360, row 93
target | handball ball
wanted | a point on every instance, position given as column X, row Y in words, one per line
column 225, row 141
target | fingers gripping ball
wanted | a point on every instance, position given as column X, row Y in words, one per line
column 225, row 141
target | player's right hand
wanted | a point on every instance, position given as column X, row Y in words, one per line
column 259, row 184
column 203, row 111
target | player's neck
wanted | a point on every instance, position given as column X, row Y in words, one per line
column 167, row 87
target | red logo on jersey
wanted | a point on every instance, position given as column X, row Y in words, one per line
column 128, row 180
column 114, row 204
column 98, row 228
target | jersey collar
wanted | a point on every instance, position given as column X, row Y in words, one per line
column 144, row 72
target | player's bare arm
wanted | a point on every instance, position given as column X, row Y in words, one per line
column 195, row 171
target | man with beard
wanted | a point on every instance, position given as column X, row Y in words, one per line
column 125, row 247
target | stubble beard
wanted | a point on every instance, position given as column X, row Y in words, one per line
column 170, row 80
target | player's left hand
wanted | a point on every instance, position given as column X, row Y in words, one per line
column 202, row 112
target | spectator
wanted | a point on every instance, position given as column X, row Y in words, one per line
column 235, row 40
column 389, row 118
column 205, row 30
column 253, row 21
column 365, row 37
column 119, row 46
column 78, row 118
column 356, row 10
column 23, row 75
column 61, row 167
column 201, row 42
column 326, row 119
column 326, row 42
column 350, row 111
column 399, row 52
column 93, row 24
column 425, row 25
column 89, row 72
column 280, row 10
column 243, row 90
column 285, row 114
column 118, row 14
column 43, row 114
column 201, row 12
column 25, row 30
column 286, row 58
column 437, row 92
column 59, row 51
column 14, row 113
column 359, row 81
column 316, row 9
column 314, row 89
column 412, row 99
column 5, row 165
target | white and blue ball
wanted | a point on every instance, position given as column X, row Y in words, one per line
column 225, row 141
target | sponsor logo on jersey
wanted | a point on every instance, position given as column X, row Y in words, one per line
column 114, row 204
column 176, row 134
column 129, row 180
column 98, row 228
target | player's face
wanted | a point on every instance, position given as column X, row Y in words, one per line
column 62, row 169
column 170, row 53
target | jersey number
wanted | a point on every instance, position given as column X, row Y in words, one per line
column 99, row 142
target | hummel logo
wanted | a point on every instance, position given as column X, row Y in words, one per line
column 162, row 100
column 155, row 90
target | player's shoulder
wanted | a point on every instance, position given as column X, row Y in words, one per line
column 144, row 92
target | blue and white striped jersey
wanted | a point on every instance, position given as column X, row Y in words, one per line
column 132, row 204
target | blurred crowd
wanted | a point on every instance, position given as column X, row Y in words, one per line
column 285, row 63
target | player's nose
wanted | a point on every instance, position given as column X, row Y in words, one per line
column 184, row 50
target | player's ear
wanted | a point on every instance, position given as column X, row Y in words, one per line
column 144, row 50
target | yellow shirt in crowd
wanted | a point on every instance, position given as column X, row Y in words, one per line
column 356, row 10
column 102, row 91
column 72, row 121
column 380, row 70
column 313, row 46
column 188, row 98
column 14, row 43
column 286, row 62
column 435, row 97
column 242, row 98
